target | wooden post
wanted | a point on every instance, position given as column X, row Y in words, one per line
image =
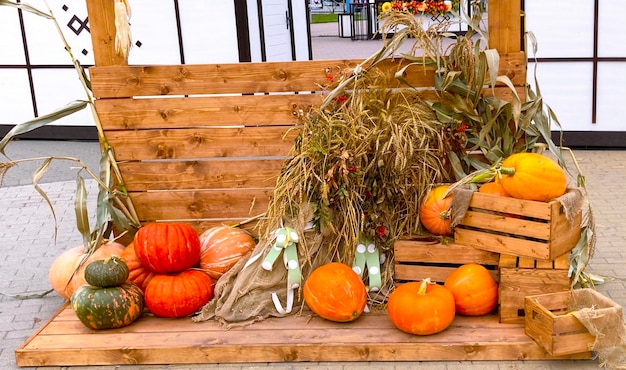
column 504, row 18
column 102, row 28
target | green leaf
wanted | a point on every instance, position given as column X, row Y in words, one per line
column 493, row 62
column 26, row 7
column 80, row 208
column 36, row 177
column 33, row 124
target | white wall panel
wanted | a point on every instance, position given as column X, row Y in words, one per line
column 612, row 33
column 11, row 39
column 155, row 36
column 611, row 108
column 209, row 31
column 44, row 43
column 55, row 88
column 563, row 28
column 566, row 87
column 15, row 101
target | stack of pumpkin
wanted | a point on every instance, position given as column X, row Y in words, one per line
column 528, row 176
column 169, row 264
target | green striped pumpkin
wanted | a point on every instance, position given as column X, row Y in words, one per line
column 108, row 308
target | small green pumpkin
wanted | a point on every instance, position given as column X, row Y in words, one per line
column 109, row 272
column 108, row 308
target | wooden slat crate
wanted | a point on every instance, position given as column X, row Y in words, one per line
column 521, row 277
column 549, row 323
column 518, row 227
column 417, row 259
column 64, row 341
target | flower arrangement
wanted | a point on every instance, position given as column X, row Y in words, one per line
column 434, row 7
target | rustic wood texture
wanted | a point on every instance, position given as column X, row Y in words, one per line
column 415, row 259
column 102, row 29
column 518, row 227
column 372, row 337
column 549, row 323
column 521, row 277
column 248, row 78
column 505, row 25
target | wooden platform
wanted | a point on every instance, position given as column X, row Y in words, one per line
column 64, row 341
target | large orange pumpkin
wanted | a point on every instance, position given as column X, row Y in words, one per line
column 474, row 289
column 167, row 247
column 421, row 308
column 178, row 294
column 136, row 272
column 67, row 272
column 335, row 292
column 221, row 247
column 434, row 212
column 532, row 176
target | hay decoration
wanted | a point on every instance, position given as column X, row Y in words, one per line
column 362, row 163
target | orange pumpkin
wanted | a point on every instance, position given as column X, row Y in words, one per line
column 221, row 247
column 434, row 212
column 136, row 272
column 532, row 176
column 421, row 308
column 67, row 272
column 493, row 188
column 167, row 247
column 474, row 289
column 178, row 294
column 335, row 292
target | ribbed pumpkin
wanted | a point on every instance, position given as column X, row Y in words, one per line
column 493, row 188
column 474, row 289
column 107, row 308
column 178, row 294
column 221, row 247
column 136, row 272
column 434, row 211
column 67, row 273
column 167, row 247
column 421, row 308
column 532, row 176
column 335, row 292
column 106, row 273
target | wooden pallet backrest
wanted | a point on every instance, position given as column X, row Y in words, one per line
column 204, row 143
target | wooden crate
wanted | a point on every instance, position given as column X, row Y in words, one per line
column 518, row 227
column 417, row 259
column 559, row 333
column 64, row 341
column 521, row 277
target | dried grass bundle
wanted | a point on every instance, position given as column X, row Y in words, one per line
column 362, row 163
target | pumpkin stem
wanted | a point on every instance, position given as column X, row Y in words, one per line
column 506, row 171
column 423, row 286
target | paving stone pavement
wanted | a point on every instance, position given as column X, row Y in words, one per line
column 27, row 237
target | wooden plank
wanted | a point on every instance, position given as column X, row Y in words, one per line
column 372, row 337
column 195, row 205
column 526, row 208
column 102, row 29
column 202, row 143
column 428, row 251
column 504, row 25
column 247, row 78
column 501, row 243
column 243, row 110
column 508, row 225
column 201, row 174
